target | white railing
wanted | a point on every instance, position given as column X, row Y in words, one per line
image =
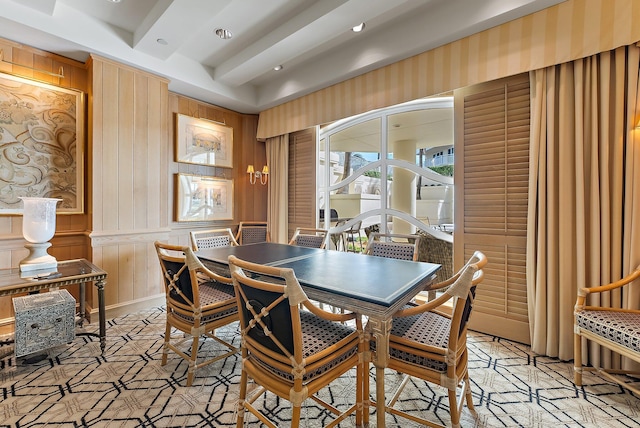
column 441, row 160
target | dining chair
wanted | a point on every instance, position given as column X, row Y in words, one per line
column 212, row 238
column 309, row 237
column 349, row 236
column 393, row 245
column 614, row 329
column 429, row 341
column 292, row 352
column 194, row 307
column 252, row 232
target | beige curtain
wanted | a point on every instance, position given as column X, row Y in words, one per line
column 584, row 191
column 277, row 149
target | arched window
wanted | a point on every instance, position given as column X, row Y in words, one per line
column 388, row 169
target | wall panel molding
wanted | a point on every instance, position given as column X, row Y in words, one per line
column 116, row 237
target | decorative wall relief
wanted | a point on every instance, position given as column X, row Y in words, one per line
column 41, row 144
column 203, row 142
column 203, row 198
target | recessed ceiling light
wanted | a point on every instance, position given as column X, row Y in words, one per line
column 224, row 34
column 278, row 67
column 162, row 42
column 114, row 1
column 358, row 28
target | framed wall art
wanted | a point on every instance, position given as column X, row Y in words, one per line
column 41, row 144
column 203, row 198
column 203, row 142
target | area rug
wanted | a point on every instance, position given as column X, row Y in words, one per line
column 75, row 386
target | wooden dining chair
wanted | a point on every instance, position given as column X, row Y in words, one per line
column 212, row 238
column 194, row 307
column 393, row 245
column 309, row 237
column 252, row 232
column 429, row 341
column 291, row 352
column 614, row 329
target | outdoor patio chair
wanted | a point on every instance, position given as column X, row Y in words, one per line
column 349, row 236
column 429, row 341
column 290, row 352
column 194, row 307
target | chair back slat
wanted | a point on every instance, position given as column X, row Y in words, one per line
column 253, row 232
column 252, row 235
column 310, row 241
column 212, row 238
column 268, row 318
column 392, row 250
column 309, row 237
column 177, row 278
column 213, row 242
column 393, row 245
column 265, row 310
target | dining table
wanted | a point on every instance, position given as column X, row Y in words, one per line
column 374, row 287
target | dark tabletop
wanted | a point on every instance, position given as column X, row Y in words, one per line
column 378, row 280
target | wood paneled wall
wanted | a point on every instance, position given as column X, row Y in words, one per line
column 128, row 186
column 131, row 146
column 250, row 201
column 130, row 168
column 70, row 240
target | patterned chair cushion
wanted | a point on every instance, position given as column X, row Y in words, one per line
column 427, row 328
column 210, row 293
column 317, row 334
column 622, row 328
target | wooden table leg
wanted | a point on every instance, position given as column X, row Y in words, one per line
column 82, row 308
column 101, row 315
column 380, row 330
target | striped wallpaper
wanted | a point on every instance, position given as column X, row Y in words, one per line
column 561, row 33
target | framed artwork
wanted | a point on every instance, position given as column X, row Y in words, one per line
column 203, row 142
column 41, row 144
column 203, row 198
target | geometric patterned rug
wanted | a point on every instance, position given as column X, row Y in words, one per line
column 76, row 386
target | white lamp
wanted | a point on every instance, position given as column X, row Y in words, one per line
column 38, row 227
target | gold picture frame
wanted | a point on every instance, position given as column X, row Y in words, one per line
column 203, row 142
column 41, row 144
column 203, row 198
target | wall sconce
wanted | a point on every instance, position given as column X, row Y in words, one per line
column 258, row 175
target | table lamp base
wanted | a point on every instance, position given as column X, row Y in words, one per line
column 38, row 258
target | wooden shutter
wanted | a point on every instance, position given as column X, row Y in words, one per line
column 302, row 180
column 491, row 181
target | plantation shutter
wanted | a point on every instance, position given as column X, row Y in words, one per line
column 491, row 180
column 302, row 180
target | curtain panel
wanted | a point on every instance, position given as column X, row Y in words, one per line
column 584, row 192
column 277, row 149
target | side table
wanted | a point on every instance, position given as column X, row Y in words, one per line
column 68, row 272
